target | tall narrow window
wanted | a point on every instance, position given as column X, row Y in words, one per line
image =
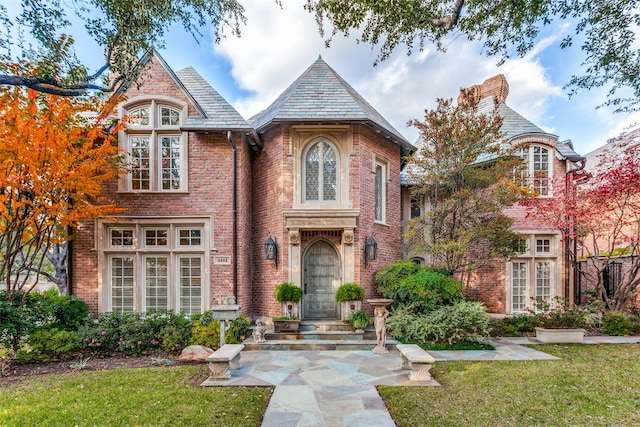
column 122, row 284
column 321, row 173
column 518, row 286
column 417, row 201
column 157, row 282
column 543, row 280
column 190, row 284
column 141, row 163
column 170, row 162
column 380, row 192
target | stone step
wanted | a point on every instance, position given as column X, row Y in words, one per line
column 325, row 326
column 316, row 335
column 314, row 345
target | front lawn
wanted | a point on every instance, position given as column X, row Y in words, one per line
column 594, row 385
column 130, row 397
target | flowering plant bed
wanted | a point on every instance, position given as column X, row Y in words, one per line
column 560, row 314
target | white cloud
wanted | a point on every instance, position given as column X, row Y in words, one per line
column 277, row 45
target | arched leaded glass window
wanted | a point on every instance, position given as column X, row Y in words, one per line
column 321, row 173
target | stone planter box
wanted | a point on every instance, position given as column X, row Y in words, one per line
column 286, row 325
column 560, row 336
column 347, row 308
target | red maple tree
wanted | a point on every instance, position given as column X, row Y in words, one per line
column 599, row 220
column 55, row 157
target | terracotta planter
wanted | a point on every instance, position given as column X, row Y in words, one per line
column 286, row 325
column 560, row 336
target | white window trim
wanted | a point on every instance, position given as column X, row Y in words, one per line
column 139, row 251
column 530, row 166
column 531, row 258
column 155, row 131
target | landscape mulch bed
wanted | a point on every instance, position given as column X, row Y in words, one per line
column 18, row 371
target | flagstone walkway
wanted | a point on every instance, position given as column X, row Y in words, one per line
column 338, row 388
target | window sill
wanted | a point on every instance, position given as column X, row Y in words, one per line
column 381, row 224
column 133, row 192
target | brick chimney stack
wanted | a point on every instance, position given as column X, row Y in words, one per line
column 495, row 86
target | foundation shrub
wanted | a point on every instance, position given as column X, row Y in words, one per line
column 462, row 321
column 237, row 330
column 46, row 344
column 424, row 288
column 66, row 312
column 619, row 324
column 516, row 326
column 206, row 331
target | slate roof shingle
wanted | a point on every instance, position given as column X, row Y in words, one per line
column 219, row 114
column 321, row 95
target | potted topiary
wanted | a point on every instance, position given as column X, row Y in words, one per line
column 289, row 295
column 350, row 296
column 360, row 320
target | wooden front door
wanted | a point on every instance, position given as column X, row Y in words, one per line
column 321, row 278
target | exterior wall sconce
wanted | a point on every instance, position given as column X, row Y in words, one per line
column 370, row 250
column 271, row 250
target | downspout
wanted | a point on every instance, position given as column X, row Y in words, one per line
column 582, row 162
column 234, row 228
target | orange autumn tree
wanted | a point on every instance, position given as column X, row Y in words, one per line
column 55, row 156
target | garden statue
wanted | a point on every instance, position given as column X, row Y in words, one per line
column 380, row 314
column 259, row 332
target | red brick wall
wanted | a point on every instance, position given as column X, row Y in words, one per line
column 488, row 283
column 368, row 144
column 272, row 191
column 210, row 194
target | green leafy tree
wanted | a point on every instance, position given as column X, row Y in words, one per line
column 606, row 28
column 465, row 174
column 125, row 29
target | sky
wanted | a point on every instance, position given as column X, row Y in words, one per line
column 278, row 44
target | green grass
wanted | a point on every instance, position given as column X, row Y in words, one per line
column 594, row 385
column 130, row 397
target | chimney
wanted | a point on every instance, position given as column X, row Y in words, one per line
column 495, row 86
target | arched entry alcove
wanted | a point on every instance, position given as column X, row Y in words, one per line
column 321, row 277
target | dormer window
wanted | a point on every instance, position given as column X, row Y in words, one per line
column 156, row 147
column 536, row 168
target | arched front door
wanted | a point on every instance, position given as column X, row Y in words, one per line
column 321, row 278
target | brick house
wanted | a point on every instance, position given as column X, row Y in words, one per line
column 543, row 268
column 317, row 172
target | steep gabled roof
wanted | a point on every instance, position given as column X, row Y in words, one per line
column 514, row 125
column 320, row 95
column 218, row 113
